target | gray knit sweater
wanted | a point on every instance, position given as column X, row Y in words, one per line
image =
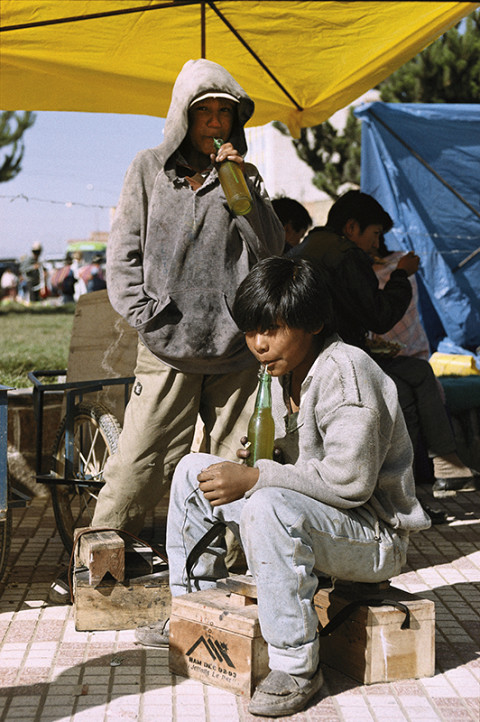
column 349, row 446
column 175, row 256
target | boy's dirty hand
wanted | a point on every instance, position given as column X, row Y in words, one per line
column 226, row 481
column 245, row 452
column 228, row 152
column 409, row 263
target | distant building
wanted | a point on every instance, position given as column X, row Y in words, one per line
column 283, row 172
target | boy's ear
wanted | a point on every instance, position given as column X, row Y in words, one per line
column 349, row 228
column 319, row 330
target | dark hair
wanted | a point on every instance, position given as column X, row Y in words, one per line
column 290, row 210
column 362, row 208
column 290, row 291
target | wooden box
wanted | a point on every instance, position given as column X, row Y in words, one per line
column 370, row 645
column 128, row 604
column 218, row 642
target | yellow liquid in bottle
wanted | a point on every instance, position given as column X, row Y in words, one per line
column 261, row 435
column 234, row 184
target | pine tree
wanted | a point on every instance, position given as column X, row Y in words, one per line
column 13, row 125
column 447, row 71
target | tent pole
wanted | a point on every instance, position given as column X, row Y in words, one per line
column 202, row 22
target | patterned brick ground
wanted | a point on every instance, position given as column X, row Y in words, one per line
column 49, row 672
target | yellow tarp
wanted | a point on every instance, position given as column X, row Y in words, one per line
column 309, row 58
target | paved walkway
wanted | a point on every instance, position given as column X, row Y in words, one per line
column 51, row 673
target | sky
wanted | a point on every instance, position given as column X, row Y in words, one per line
column 70, row 158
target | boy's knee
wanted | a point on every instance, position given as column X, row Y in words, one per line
column 190, row 466
column 263, row 507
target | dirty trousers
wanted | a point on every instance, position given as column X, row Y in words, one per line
column 286, row 536
column 158, row 431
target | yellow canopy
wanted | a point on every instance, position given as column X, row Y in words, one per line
column 299, row 61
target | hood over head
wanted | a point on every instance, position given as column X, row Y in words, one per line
column 198, row 78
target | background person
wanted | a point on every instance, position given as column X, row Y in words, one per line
column 34, row 273
column 97, row 281
column 343, row 249
column 9, row 284
column 295, row 220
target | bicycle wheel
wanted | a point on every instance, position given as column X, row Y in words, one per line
column 95, row 432
column 5, row 535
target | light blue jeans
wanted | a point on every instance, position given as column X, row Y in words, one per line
column 286, row 536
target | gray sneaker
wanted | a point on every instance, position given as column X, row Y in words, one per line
column 153, row 635
column 281, row 694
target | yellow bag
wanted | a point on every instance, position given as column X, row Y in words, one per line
column 447, row 364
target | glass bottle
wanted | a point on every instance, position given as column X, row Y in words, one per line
column 233, row 184
column 261, row 427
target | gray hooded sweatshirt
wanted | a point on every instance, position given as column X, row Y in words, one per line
column 176, row 256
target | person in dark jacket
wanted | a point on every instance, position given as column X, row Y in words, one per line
column 343, row 248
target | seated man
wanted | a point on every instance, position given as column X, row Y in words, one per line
column 343, row 502
column 343, row 249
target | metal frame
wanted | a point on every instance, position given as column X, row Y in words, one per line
column 15, row 498
column 75, row 391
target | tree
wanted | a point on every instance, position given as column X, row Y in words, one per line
column 447, row 71
column 333, row 156
column 13, row 125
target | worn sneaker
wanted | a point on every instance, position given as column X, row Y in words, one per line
column 153, row 635
column 281, row 694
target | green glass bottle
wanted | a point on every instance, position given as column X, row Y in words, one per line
column 233, row 184
column 261, row 427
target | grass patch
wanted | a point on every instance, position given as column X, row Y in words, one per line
column 33, row 337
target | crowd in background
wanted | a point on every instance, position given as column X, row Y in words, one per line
column 32, row 280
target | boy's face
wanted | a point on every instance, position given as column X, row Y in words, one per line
column 292, row 236
column 368, row 240
column 208, row 119
column 284, row 349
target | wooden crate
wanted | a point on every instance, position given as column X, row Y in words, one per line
column 214, row 639
column 120, row 605
column 370, row 645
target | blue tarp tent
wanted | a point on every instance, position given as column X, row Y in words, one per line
column 422, row 163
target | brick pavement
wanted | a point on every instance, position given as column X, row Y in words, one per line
column 51, row 673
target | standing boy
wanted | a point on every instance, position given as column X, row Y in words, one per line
column 175, row 256
column 343, row 501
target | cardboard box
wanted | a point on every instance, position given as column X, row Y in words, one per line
column 215, row 638
column 370, row 645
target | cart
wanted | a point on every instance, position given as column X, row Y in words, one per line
column 87, row 435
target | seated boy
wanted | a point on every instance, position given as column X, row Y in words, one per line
column 343, row 500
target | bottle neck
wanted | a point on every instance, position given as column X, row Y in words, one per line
column 264, row 393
